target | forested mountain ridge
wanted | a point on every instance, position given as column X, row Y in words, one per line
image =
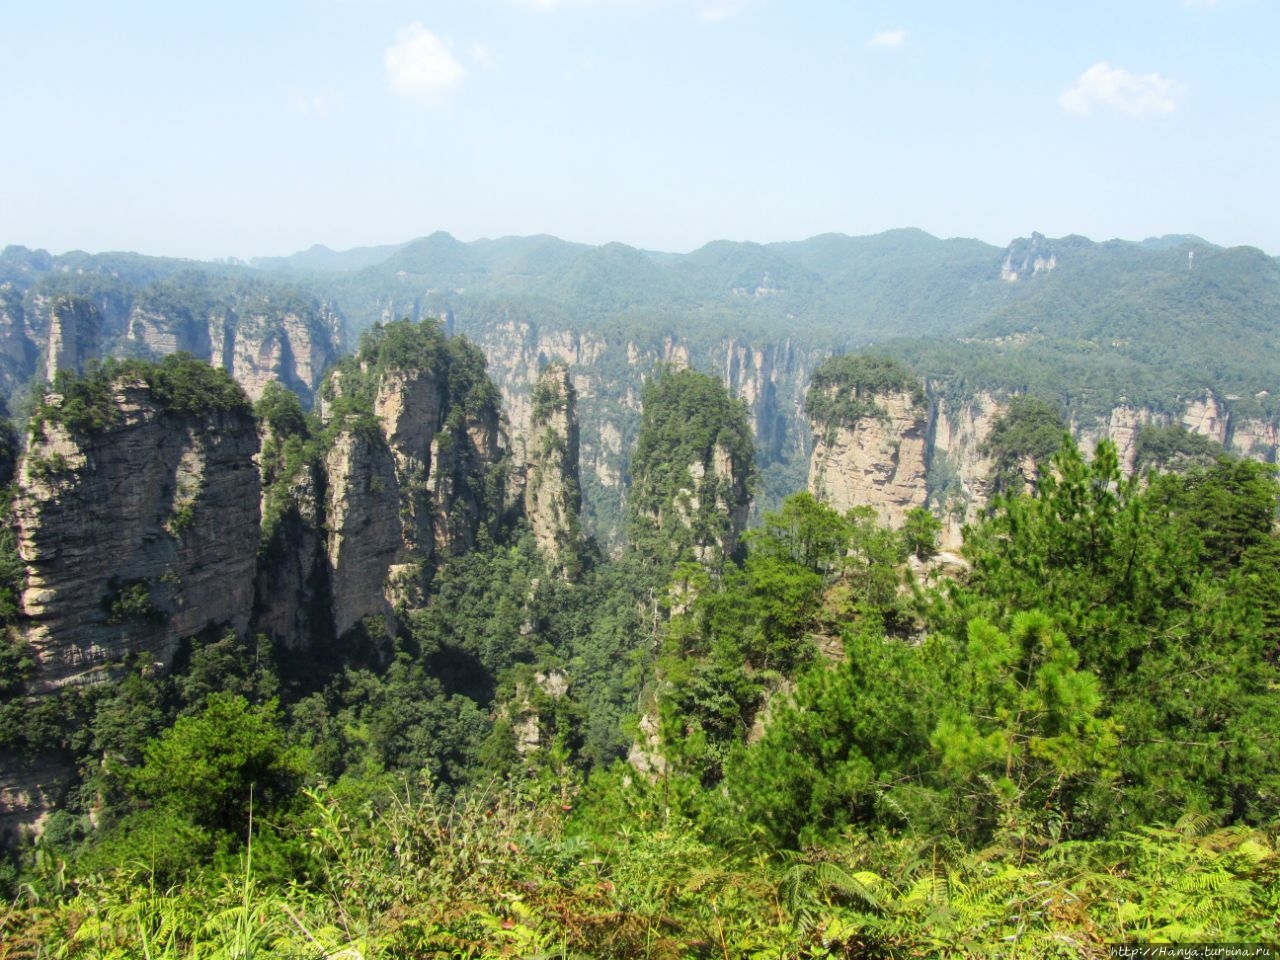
column 1118, row 334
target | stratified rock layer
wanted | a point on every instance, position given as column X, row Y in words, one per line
column 406, row 491
column 136, row 536
column 552, row 496
column 877, row 461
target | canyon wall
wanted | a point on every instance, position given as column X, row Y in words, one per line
column 878, row 461
column 135, row 535
column 935, row 455
column 140, row 505
column 255, row 336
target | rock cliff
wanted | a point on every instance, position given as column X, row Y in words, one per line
column 364, row 539
column 608, row 372
column 933, row 452
column 930, row 455
column 692, row 469
column 960, row 475
column 417, row 468
column 57, row 319
column 246, row 335
column 294, row 583
column 877, row 460
column 870, row 431
column 135, row 534
column 140, row 506
column 75, row 326
column 552, row 496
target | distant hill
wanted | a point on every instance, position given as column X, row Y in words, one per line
column 1085, row 322
column 1088, row 325
column 321, row 258
column 1152, row 318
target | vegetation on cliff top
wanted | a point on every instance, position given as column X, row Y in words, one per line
column 1023, row 438
column 411, row 347
column 85, row 403
column 843, row 389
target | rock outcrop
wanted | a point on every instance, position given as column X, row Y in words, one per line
column 256, row 331
column 608, row 374
column 718, row 485
column 870, row 425
column 770, row 378
column 365, row 532
column 692, row 469
column 877, row 461
column 74, row 330
column 253, row 341
column 29, row 788
column 934, row 454
column 413, row 480
column 140, row 503
column 960, row 468
column 552, row 496
column 293, row 586
column 135, row 535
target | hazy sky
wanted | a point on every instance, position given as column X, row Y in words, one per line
column 212, row 129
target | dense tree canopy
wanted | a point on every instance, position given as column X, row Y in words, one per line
column 180, row 384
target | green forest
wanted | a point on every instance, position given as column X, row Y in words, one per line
column 825, row 741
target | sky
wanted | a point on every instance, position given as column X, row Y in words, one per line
column 235, row 129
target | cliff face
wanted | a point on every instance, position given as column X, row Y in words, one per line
column 293, row 584
column 364, row 539
column 606, row 376
column 75, row 326
column 932, row 455
column 135, row 536
column 406, row 488
column 255, row 332
column 253, row 342
column 771, row 378
column 960, row 469
column 29, row 788
column 723, row 484
column 552, row 496
column 691, row 469
column 935, row 455
column 140, row 522
column 608, row 373
column 877, row 460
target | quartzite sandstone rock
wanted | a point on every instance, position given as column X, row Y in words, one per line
column 135, row 536
column 552, row 496
column 877, row 461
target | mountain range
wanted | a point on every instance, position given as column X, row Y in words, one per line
column 1162, row 326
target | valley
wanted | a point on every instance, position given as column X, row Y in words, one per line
column 520, row 596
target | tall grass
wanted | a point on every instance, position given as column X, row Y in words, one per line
column 494, row 873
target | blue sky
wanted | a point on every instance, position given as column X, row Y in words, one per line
column 243, row 129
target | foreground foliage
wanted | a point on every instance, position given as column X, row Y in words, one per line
column 504, row 872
